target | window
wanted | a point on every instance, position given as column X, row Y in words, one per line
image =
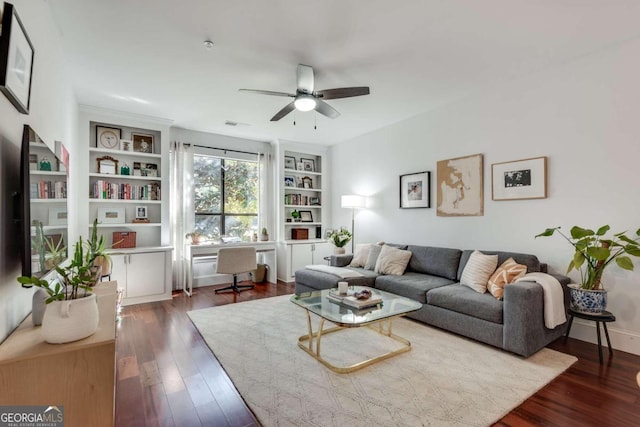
column 225, row 196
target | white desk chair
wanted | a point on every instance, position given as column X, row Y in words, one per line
column 235, row 261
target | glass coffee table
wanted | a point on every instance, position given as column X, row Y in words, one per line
column 379, row 318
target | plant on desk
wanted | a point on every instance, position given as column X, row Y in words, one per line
column 339, row 238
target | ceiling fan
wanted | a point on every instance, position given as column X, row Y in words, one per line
column 307, row 99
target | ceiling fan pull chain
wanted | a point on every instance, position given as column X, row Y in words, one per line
column 315, row 120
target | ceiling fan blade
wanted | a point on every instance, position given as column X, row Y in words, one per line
column 345, row 92
column 305, row 79
column 267, row 92
column 326, row 109
column 286, row 110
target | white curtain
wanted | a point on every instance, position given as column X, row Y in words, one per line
column 182, row 216
column 265, row 202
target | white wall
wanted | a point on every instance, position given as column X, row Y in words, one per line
column 583, row 115
column 53, row 116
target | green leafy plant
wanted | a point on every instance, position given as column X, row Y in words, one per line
column 96, row 254
column 74, row 278
column 594, row 252
column 264, row 230
column 295, row 214
column 340, row 237
column 56, row 252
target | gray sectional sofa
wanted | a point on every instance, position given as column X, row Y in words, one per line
column 432, row 277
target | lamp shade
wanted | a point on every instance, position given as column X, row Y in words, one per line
column 353, row 201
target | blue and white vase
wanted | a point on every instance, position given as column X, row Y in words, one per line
column 588, row 301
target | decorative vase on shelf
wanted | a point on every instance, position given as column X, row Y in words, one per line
column 339, row 251
column 590, row 301
column 70, row 320
column 38, row 306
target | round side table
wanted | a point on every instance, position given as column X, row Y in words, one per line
column 603, row 318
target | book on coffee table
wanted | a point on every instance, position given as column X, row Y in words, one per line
column 353, row 302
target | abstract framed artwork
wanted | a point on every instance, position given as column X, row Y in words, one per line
column 415, row 190
column 16, row 60
column 460, row 186
column 519, row 179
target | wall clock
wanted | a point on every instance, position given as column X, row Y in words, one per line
column 108, row 138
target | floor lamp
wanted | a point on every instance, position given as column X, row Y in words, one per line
column 353, row 202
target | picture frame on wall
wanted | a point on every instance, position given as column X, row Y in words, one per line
column 142, row 142
column 108, row 138
column 519, row 179
column 289, row 162
column 16, row 60
column 459, row 182
column 111, row 216
column 415, row 190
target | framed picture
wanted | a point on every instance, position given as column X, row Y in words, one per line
column 314, row 201
column 308, row 165
column 306, row 216
column 289, row 162
column 57, row 216
column 16, row 60
column 126, row 145
column 460, row 186
column 142, row 143
column 111, row 215
column 141, row 212
column 107, row 165
column 108, row 138
column 415, row 190
column 33, row 162
column 519, row 179
column 307, row 182
column 289, row 181
column 148, row 169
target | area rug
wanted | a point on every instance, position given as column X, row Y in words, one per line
column 444, row 380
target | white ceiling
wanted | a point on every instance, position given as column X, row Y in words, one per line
column 147, row 56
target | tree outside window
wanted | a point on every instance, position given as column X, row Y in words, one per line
column 225, row 194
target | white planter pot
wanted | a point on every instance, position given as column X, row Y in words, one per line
column 72, row 320
column 339, row 251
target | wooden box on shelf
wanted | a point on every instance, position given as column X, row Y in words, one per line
column 124, row 239
column 300, row 233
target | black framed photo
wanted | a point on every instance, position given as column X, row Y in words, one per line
column 308, row 165
column 306, row 216
column 519, row 179
column 141, row 212
column 289, row 162
column 289, row 181
column 142, row 143
column 16, row 60
column 415, row 190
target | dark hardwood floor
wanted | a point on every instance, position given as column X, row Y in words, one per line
column 167, row 376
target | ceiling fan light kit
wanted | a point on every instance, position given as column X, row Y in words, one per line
column 307, row 99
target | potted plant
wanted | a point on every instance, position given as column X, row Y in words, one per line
column 196, row 237
column 593, row 253
column 339, row 238
column 264, row 236
column 96, row 256
column 72, row 312
column 295, row 215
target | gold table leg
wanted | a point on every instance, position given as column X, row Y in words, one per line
column 306, row 342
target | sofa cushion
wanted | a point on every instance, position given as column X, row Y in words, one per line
column 317, row 280
column 478, row 270
column 411, row 285
column 441, row 262
column 392, row 261
column 507, row 273
column 464, row 300
column 531, row 261
column 361, row 254
column 372, row 258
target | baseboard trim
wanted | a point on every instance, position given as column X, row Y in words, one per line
column 621, row 339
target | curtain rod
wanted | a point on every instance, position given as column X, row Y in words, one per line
column 224, row 149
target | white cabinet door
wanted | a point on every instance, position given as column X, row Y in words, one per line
column 119, row 271
column 145, row 274
column 321, row 251
column 301, row 255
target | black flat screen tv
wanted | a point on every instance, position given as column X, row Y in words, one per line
column 43, row 206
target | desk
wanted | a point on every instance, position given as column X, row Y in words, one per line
column 211, row 250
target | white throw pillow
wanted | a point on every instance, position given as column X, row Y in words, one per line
column 361, row 255
column 392, row 261
column 477, row 271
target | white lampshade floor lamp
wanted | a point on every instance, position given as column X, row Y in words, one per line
column 353, row 202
